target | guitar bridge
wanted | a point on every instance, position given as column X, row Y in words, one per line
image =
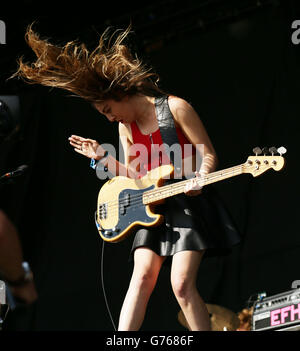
column 103, row 211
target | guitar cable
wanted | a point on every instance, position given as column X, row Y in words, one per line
column 103, row 289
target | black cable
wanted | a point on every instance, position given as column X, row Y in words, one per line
column 102, row 282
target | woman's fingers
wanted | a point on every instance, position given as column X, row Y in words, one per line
column 78, row 146
column 77, row 138
column 76, row 141
column 192, row 187
column 80, row 152
column 84, row 146
column 84, row 149
column 74, row 144
column 91, row 140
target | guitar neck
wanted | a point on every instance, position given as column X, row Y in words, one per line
column 165, row 191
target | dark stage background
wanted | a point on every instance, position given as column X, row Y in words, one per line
column 235, row 62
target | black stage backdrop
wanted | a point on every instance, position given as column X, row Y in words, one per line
column 242, row 76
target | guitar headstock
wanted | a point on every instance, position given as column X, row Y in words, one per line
column 272, row 158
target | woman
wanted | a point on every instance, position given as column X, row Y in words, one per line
column 123, row 89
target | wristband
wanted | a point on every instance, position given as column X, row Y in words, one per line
column 94, row 163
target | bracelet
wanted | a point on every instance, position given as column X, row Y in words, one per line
column 94, row 163
column 26, row 278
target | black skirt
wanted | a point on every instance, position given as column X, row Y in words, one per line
column 199, row 222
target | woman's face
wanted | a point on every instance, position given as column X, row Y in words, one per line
column 116, row 111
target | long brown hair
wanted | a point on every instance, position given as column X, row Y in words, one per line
column 110, row 71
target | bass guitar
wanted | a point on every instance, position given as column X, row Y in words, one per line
column 125, row 203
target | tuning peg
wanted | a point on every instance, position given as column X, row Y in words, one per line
column 265, row 150
column 257, row 150
column 273, row 150
column 282, row 150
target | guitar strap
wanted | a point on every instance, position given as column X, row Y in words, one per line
column 166, row 126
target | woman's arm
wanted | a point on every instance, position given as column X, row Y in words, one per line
column 11, row 258
column 92, row 149
column 190, row 123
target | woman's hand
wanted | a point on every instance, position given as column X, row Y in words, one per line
column 192, row 188
column 87, row 147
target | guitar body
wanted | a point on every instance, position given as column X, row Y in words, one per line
column 120, row 206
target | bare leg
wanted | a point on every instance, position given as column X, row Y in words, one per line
column 183, row 278
column 147, row 265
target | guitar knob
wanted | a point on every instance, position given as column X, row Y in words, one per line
column 282, row 150
column 265, row 150
column 115, row 229
column 257, row 151
column 108, row 232
column 273, row 150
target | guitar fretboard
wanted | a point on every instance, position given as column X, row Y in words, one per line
column 178, row 187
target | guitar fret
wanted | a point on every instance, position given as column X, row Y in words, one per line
column 173, row 189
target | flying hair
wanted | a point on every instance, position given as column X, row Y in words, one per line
column 110, row 71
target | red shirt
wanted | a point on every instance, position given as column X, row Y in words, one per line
column 149, row 150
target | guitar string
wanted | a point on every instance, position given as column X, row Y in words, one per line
column 136, row 199
column 210, row 178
